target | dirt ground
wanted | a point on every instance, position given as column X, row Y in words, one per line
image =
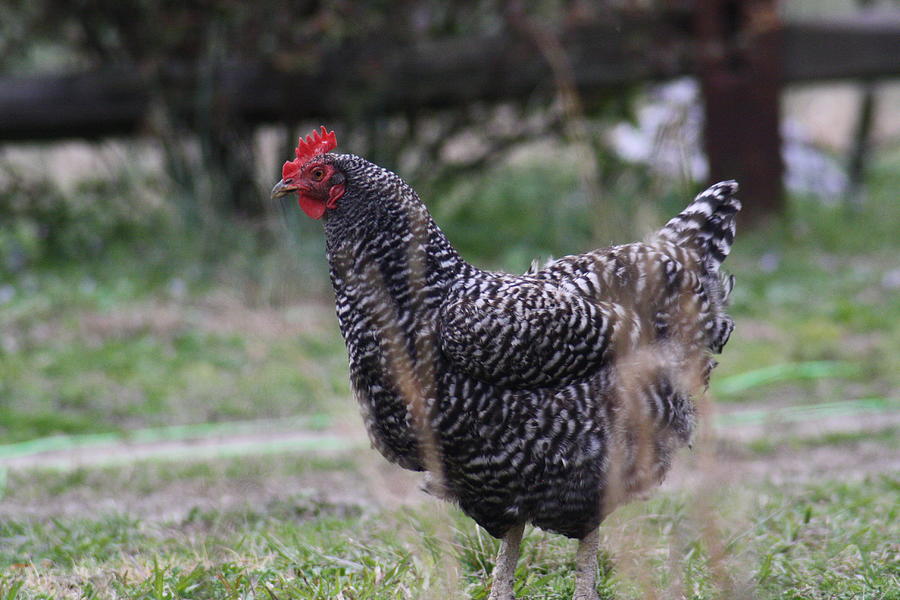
column 726, row 457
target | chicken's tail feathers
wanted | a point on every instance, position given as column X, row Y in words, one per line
column 709, row 221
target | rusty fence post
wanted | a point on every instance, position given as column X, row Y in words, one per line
column 739, row 61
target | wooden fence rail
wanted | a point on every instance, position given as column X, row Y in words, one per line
column 742, row 62
column 436, row 74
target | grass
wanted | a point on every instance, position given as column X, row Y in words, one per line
column 144, row 380
column 141, row 336
column 824, row 539
column 886, row 437
column 110, row 364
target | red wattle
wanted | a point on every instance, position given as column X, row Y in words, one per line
column 313, row 207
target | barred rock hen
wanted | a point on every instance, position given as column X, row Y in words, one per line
column 546, row 398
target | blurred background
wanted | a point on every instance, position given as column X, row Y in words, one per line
column 175, row 414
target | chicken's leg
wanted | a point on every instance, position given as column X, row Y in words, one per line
column 505, row 569
column 586, row 567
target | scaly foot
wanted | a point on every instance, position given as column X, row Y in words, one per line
column 505, row 569
column 586, row 567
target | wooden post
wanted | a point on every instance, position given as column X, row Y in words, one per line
column 739, row 63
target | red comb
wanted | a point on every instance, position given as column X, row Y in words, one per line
column 316, row 143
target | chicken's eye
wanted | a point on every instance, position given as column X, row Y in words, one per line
column 318, row 174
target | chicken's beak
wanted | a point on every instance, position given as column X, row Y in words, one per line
column 283, row 188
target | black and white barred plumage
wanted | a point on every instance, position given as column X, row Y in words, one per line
column 548, row 397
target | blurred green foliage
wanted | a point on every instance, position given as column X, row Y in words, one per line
column 42, row 224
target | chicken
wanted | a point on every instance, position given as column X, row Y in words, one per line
column 547, row 398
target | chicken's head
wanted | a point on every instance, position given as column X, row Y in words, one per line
column 319, row 185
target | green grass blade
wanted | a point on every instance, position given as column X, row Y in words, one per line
column 782, row 373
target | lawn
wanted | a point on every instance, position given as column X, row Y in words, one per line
column 171, row 430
